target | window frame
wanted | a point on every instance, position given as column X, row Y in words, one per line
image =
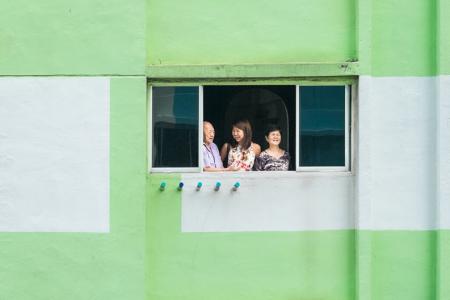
column 152, row 169
column 347, row 119
column 350, row 103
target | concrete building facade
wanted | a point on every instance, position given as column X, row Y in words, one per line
column 82, row 215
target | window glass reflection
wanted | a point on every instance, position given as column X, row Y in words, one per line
column 322, row 126
column 175, row 127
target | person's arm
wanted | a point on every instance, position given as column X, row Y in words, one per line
column 224, row 151
column 288, row 160
column 211, row 169
column 259, row 164
column 205, row 156
column 257, row 149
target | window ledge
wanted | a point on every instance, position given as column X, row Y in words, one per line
column 261, row 174
column 252, row 70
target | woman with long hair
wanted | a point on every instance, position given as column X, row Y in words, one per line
column 241, row 151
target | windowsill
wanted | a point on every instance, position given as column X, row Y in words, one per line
column 259, row 174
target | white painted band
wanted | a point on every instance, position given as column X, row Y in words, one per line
column 274, row 201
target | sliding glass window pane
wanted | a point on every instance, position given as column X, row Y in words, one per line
column 175, row 127
column 322, row 126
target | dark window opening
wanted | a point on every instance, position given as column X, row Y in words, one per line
column 261, row 105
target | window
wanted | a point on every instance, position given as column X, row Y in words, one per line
column 323, row 128
column 315, row 121
column 175, row 128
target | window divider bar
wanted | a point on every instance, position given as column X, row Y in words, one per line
column 200, row 127
column 297, row 128
column 347, row 127
column 150, row 129
column 353, row 124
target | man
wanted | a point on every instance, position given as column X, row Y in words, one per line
column 211, row 157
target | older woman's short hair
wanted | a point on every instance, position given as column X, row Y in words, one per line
column 271, row 128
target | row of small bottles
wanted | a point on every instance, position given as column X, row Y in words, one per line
column 163, row 185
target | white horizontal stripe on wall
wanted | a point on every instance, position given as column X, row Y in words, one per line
column 54, row 154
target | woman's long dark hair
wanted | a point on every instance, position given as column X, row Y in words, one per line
column 245, row 126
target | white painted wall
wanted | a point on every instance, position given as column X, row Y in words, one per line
column 397, row 153
column 54, row 154
column 443, row 152
column 271, row 201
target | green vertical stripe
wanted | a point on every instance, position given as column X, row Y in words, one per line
column 443, row 36
column 404, row 38
column 443, row 265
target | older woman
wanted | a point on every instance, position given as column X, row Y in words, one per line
column 241, row 152
column 273, row 158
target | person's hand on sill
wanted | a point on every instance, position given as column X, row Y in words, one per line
column 233, row 168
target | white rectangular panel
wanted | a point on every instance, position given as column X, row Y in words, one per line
column 54, row 154
column 267, row 201
column 397, row 153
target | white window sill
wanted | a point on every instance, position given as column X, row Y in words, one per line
column 255, row 174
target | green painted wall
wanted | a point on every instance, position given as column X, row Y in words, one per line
column 84, row 37
column 241, row 32
column 404, row 38
column 145, row 256
column 286, row 265
column 401, row 38
column 443, row 36
column 92, row 266
column 404, row 265
column 443, row 264
column 265, row 265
